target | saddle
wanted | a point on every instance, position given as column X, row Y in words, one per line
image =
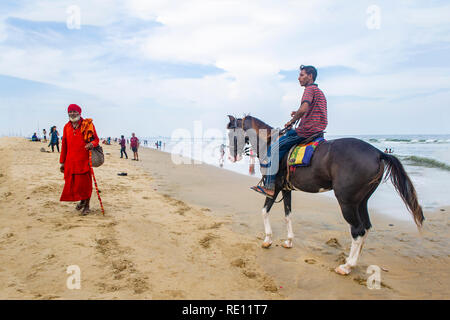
column 301, row 155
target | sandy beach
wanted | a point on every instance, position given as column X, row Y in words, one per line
column 195, row 232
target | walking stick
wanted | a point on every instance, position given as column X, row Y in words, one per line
column 95, row 182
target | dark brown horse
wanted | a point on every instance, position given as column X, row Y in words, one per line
column 350, row 167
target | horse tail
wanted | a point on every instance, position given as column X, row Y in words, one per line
column 395, row 171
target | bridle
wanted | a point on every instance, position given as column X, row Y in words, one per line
column 257, row 137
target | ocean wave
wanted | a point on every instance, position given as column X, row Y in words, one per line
column 409, row 141
column 425, row 162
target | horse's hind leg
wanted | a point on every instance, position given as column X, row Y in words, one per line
column 265, row 213
column 359, row 234
column 287, row 215
column 364, row 214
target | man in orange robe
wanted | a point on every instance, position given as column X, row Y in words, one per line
column 74, row 159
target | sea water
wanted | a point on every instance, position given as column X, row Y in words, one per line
column 426, row 159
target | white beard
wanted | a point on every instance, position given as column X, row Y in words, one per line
column 75, row 119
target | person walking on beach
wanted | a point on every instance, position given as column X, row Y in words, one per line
column 222, row 155
column 44, row 133
column 251, row 167
column 313, row 115
column 79, row 136
column 134, row 144
column 123, row 147
column 54, row 139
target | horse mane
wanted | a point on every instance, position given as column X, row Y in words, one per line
column 260, row 123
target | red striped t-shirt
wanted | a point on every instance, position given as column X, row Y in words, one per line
column 315, row 119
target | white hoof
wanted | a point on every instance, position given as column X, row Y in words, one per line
column 266, row 245
column 343, row 270
column 287, row 244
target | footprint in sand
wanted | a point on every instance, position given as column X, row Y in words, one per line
column 310, row 261
column 269, row 285
column 341, row 258
column 363, row 282
column 177, row 294
column 333, row 242
column 139, row 284
column 205, row 242
column 250, row 274
column 121, row 265
column 240, row 263
column 215, row 225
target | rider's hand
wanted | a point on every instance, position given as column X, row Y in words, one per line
column 62, row 168
column 293, row 113
column 89, row 146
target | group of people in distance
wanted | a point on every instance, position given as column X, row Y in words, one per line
column 53, row 136
column 134, row 145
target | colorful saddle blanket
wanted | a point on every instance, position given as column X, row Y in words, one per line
column 302, row 154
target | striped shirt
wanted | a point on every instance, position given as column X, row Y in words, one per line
column 315, row 119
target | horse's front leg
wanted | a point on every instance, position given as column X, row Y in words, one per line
column 287, row 214
column 265, row 213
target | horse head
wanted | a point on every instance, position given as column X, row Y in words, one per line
column 237, row 138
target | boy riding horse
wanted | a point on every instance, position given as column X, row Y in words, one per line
column 313, row 115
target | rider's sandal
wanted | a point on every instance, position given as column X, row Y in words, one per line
column 261, row 190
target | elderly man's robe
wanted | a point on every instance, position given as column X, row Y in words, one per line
column 77, row 174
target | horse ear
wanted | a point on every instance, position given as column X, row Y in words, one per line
column 232, row 123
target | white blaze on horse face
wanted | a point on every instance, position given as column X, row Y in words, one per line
column 236, row 143
column 267, row 227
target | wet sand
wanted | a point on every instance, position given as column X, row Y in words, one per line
column 194, row 232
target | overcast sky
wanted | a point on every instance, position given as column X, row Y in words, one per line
column 154, row 66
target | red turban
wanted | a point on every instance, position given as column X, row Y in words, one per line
column 74, row 107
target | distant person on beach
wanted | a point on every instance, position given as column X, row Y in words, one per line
column 44, row 133
column 54, row 139
column 222, row 155
column 134, row 144
column 123, row 147
column 251, row 168
column 386, row 151
column 313, row 115
column 79, row 136
column 34, row 137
